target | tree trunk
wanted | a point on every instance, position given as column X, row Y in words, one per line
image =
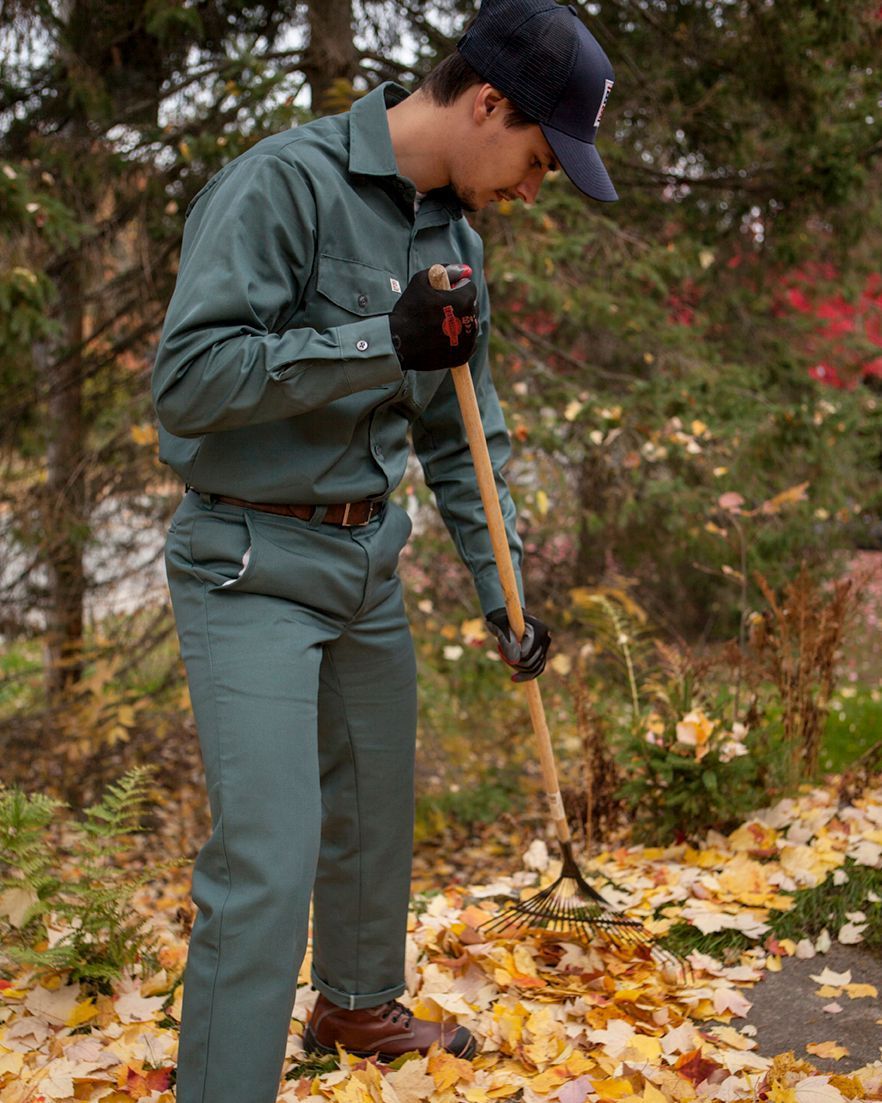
column 66, row 513
column 331, row 55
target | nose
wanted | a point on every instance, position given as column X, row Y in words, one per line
column 529, row 187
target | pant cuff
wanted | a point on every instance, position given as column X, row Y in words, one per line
column 355, row 1001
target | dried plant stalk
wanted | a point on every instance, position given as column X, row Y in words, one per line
column 797, row 640
column 594, row 805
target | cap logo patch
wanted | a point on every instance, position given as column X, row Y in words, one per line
column 607, row 88
column 396, row 286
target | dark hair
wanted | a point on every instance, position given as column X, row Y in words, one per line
column 453, row 76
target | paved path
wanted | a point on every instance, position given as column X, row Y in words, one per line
column 788, row 1013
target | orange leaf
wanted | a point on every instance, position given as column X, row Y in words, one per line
column 523, row 981
column 695, row 1068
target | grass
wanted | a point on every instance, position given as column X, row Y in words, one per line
column 314, row 1064
column 854, row 724
column 814, row 910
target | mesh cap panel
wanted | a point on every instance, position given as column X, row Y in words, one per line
column 532, row 63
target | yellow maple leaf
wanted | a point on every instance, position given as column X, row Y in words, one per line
column 548, row 1081
column 779, row 1094
column 352, row 1091
column 828, row 992
column 860, row 991
column 644, row 1047
column 524, row 962
column 832, row 1051
column 578, row 1064
column 83, row 1011
column 849, row 1086
column 753, row 836
column 510, row 1025
column 412, row 1082
column 746, row 880
column 11, row 1062
column 616, row 1087
column 447, row 1070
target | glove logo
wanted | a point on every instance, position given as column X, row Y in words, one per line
column 451, row 327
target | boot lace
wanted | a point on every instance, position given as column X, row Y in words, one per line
column 396, row 1012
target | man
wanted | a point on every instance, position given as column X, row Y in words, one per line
column 302, row 342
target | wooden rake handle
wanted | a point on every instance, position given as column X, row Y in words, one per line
column 471, row 416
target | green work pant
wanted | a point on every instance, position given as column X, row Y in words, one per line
column 303, row 681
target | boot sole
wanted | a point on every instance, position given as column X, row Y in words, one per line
column 312, row 1045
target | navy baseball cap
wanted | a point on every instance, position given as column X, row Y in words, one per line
column 542, row 57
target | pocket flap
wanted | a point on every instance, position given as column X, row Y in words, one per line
column 360, row 288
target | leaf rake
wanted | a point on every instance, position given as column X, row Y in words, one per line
column 570, row 906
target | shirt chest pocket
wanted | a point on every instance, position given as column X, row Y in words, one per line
column 347, row 290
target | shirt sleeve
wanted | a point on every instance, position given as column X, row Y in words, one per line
column 225, row 358
column 442, row 447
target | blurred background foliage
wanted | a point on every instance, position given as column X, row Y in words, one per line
column 691, row 378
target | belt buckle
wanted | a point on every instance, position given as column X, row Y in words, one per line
column 346, row 523
column 373, row 510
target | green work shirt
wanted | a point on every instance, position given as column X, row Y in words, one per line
column 275, row 377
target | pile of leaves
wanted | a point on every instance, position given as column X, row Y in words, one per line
column 556, row 1020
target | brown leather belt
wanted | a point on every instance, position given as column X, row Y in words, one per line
column 348, row 513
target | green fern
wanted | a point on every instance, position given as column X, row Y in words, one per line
column 102, row 932
column 25, row 856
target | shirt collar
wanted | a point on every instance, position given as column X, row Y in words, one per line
column 370, row 146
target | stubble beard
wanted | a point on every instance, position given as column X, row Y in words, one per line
column 466, row 198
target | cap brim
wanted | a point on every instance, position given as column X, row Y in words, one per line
column 582, row 164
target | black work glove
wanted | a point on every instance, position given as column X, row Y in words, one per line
column 434, row 330
column 528, row 655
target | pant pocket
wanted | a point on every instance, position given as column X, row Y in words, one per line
column 223, row 550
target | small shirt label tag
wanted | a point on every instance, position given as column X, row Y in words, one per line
column 607, row 88
column 396, row 286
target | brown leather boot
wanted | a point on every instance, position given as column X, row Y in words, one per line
column 384, row 1032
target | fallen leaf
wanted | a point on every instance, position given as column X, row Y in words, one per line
column 861, row 991
column 412, row 1082
column 850, row 934
column 830, row 1051
column 829, row 977
column 817, row 1089
column 695, row 1068
column 576, row 1091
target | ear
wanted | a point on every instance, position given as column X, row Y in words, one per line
column 487, row 101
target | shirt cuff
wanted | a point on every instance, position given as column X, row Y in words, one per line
column 490, row 593
column 367, row 353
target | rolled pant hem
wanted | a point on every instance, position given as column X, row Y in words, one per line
column 354, row 1002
